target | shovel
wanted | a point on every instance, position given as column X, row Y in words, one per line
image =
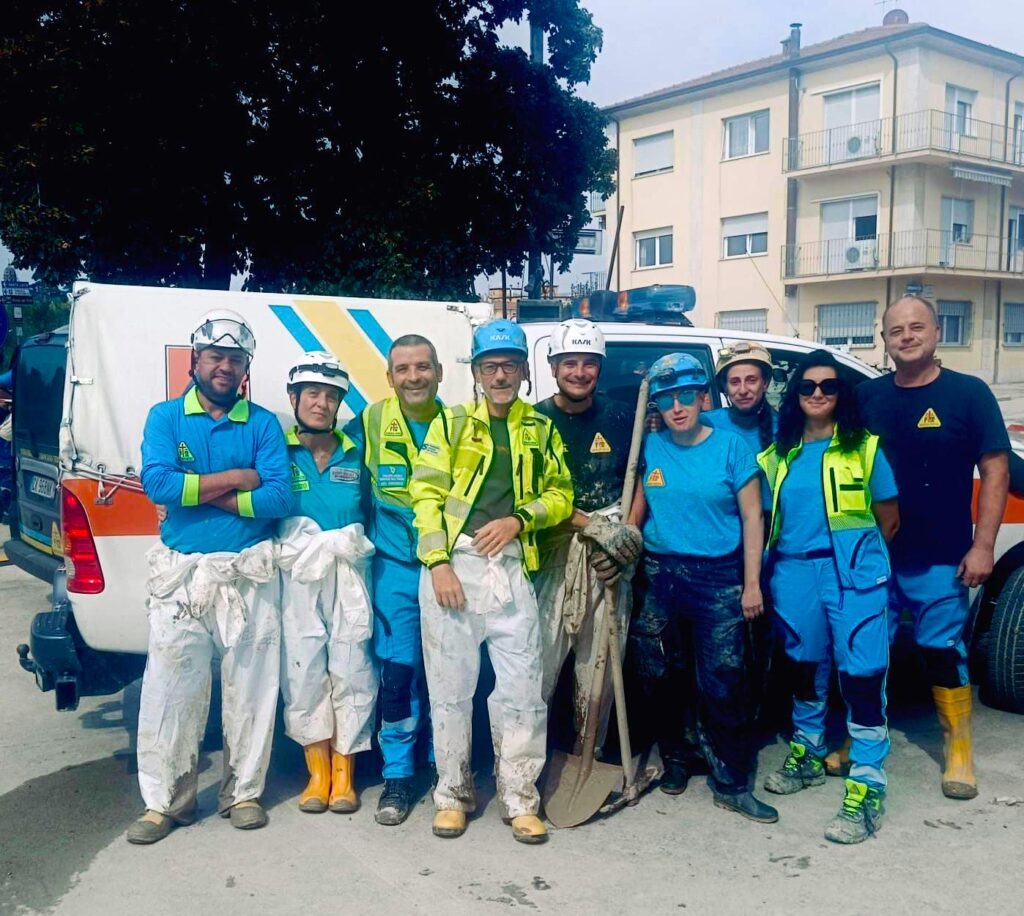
column 578, row 785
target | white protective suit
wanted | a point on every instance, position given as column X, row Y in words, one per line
column 330, row 680
column 201, row 603
column 572, row 602
column 501, row 611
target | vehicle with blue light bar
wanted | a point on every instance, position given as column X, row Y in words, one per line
column 662, row 303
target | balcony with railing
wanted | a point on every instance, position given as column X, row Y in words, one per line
column 914, row 249
column 921, row 132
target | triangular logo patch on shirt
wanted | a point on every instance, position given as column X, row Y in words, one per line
column 184, row 454
column 529, row 437
column 600, row 445
column 655, row 478
column 930, row 420
column 300, row 483
column 394, row 428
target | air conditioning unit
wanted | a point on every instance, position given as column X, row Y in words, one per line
column 862, row 145
column 862, row 255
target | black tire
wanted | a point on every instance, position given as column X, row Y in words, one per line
column 1004, row 682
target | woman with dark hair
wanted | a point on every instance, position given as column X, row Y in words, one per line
column 833, row 509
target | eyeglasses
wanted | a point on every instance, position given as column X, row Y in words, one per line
column 509, row 367
column 829, row 387
column 687, row 397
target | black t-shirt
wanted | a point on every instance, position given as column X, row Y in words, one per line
column 933, row 437
column 596, row 449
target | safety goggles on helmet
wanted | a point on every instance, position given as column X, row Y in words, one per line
column 829, row 387
column 319, row 369
column 224, row 332
column 687, row 397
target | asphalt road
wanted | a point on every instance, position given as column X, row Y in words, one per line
column 68, row 793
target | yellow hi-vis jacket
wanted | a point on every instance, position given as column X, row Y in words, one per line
column 453, row 462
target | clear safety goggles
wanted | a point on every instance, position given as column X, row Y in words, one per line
column 224, row 332
column 327, row 370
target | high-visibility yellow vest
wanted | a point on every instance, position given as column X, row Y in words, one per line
column 390, row 453
column 453, row 462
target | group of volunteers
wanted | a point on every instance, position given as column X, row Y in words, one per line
column 358, row 571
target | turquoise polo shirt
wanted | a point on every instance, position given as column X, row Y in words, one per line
column 181, row 442
column 330, row 497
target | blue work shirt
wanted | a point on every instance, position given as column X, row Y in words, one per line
column 181, row 442
column 330, row 497
column 724, row 418
column 691, row 493
column 802, row 499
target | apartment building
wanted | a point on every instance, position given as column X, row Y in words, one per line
column 801, row 192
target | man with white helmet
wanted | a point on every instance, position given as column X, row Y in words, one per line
column 330, row 682
column 488, row 477
column 218, row 464
column 596, row 432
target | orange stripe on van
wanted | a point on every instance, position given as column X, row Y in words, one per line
column 1014, row 514
column 127, row 513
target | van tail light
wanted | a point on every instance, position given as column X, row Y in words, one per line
column 85, row 576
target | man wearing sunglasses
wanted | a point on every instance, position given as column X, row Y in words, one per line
column 488, row 477
column 218, row 463
column 936, row 426
column 596, row 432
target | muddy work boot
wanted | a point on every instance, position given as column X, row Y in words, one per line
column 860, row 815
column 800, row 770
column 953, row 706
column 151, row 828
column 528, row 828
column 247, row 815
column 343, row 799
column 744, row 803
column 675, row 779
column 449, row 824
column 314, row 798
column 395, row 802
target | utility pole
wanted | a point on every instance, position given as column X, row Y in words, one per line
column 535, row 269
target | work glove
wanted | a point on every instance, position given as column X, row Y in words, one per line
column 623, row 543
column 606, row 569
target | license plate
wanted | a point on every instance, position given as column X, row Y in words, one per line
column 43, row 486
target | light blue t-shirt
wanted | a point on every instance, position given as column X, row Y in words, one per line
column 802, row 502
column 723, row 418
column 691, row 493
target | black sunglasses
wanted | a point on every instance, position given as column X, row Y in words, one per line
column 829, row 387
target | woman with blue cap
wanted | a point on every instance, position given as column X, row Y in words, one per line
column 699, row 506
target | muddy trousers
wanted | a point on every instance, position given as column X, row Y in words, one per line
column 399, row 650
column 821, row 623
column 517, row 712
column 689, row 614
column 329, row 680
column 176, row 700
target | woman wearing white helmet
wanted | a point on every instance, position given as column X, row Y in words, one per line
column 329, row 683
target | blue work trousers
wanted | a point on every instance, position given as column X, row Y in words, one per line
column 821, row 623
column 399, row 651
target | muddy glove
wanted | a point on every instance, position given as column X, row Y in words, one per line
column 623, row 543
column 607, row 570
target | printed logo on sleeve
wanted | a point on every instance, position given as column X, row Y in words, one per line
column 300, row 483
column 600, row 445
column 393, row 429
column 184, row 454
column 344, row 475
column 655, row 479
column 929, row 420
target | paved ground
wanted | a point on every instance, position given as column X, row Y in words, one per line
column 68, row 792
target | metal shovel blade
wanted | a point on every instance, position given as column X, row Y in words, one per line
column 573, row 795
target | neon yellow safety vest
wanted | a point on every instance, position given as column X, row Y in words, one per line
column 862, row 559
column 390, row 453
column 454, row 461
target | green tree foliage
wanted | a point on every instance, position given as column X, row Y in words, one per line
column 317, row 146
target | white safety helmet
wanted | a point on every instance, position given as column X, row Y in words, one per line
column 577, row 335
column 223, row 328
column 319, row 368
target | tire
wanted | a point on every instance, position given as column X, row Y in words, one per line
column 1004, row 682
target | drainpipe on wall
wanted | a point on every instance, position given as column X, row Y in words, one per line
column 1002, row 229
column 791, row 49
column 892, row 170
column 999, row 325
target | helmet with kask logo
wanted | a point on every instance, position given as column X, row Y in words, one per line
column 577, row 335
column 497, row 336
column 223, row 328
column 674, row 371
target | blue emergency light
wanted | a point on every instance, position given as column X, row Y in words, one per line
column 663, row 303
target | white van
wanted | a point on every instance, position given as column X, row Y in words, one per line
column 128, row 348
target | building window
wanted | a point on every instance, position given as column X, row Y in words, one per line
column 746, row 135
column 589, row 241
column 653, row 248
column 954, row 323
column 745, row 235
column 958, row 219
column 744, row 320
column 847, row 324
column 960, row 112
column 1013, row 324
column 652, row 154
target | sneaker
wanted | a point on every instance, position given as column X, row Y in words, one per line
column 395, row 802
column 859, row 817
column 675, row 778
column 800, row 770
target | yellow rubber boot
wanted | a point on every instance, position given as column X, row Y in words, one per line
column 953, row 704
column 838, row 762
column 313, row 800
column 344, row 799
